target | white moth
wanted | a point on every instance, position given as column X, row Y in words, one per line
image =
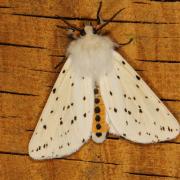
column 133, row 110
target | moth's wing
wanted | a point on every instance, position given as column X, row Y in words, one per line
column 66, row 121
column 134, row 111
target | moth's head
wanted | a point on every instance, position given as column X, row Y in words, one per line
column 91, row 28
column 87, row 28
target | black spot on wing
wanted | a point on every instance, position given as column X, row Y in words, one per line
column 110, row 93
column 157, row 109
column 45, row 145
column 54, row 90
column 137, row 77
column 60, row 147
column 148, row 133
column 38, row 148
column 136, row 121
column 162, row 128
column 170, row 129
column 140, row 110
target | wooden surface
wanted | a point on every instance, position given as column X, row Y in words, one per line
column 30, row 47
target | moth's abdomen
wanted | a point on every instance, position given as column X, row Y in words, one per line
column 100, row 127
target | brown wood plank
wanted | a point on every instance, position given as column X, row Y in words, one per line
column 137, row 12
column 68, row 169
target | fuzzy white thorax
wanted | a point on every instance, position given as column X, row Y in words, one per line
column 91, row 54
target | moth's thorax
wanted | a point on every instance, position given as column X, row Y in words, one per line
column 91, row 54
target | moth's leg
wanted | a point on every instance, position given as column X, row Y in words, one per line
column 72, row 35
column 123, row 44
column 71, row 32
column 65, row 27
column 62, row 61
column 70, row 27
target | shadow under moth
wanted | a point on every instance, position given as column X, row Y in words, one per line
column 97, row 92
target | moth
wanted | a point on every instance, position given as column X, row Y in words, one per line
column 97, row 92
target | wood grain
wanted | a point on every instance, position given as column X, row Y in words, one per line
column 31, row 46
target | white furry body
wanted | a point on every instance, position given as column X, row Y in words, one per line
column 133, row 110
column 92, row 56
